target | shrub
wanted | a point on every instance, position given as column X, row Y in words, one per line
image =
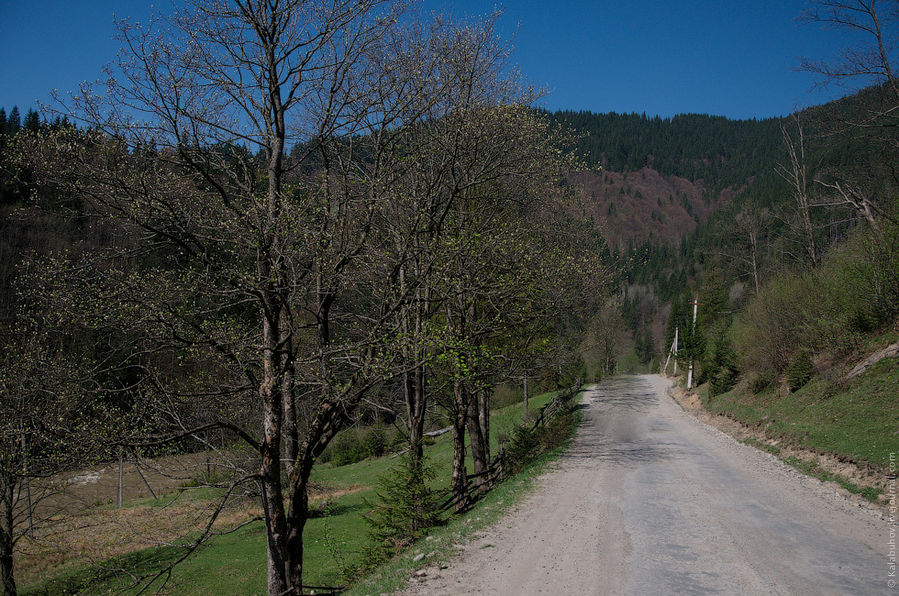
column 375, row 441
column 526, row 443
column 346, row 448
column 353, row 445
column 760, row 381
column 799, row 371
column 522, row 447
column 553, row 433
column 826, row 310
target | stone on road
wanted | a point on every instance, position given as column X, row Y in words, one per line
column 649, row 500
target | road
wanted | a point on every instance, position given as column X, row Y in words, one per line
column 649, row 500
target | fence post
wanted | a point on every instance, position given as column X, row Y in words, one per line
column 119, row 497
column 525, row 397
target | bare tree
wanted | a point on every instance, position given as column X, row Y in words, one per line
column 874, row 116
column 264, row 283
column 877, row 21
column 261, row 269
column 48, row 409
column 796, row 174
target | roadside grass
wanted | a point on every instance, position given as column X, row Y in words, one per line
column 858, row 422
column 870, row 493
column 443, row 542
column 234, row 563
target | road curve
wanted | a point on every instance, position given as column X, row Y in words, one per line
column 648, row 500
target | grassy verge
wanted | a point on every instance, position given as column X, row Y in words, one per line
column 858, row 422
column 869, row 493
column 442, row 542
column 334, row 541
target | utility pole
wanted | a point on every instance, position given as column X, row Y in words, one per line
column 690, row 373
column 675, row 350
column 672, row 352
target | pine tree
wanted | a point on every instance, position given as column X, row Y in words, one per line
column 13, row 123
column 32, row 121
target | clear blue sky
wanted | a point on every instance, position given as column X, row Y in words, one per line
column 730, row 57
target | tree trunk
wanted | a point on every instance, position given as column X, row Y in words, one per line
column 484, row 420
column 413, row 380
column 525, row 397
column 753, row 239
column 291, row 430
column 476, row 439
column 270, row 470
column 457, row 482
column 325, row 426
column 6, row 540
column 415, row 409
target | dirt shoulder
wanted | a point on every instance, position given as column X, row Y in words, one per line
column 860, row 475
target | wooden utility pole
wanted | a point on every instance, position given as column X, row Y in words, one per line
column 672, row 352
column 675, row 351
column 690, row 373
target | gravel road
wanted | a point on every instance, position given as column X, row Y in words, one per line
column 649, row 500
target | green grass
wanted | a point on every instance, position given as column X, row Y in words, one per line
column 858, row 422
column 334, row 542
column 439, row 545
column 870, row 493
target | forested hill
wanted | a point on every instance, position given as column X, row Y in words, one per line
column 662, row 177
column 719, row 151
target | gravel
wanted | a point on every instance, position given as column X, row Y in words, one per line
column 649, row 499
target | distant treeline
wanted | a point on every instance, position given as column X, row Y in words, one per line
column 720, row 151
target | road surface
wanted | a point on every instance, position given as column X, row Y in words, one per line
column 649, row 500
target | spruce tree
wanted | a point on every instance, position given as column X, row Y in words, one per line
column 13, row 123
column 32, row 121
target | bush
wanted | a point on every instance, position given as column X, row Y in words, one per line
column 522, row 447
column 760, row 381
column 526, row 444
column 346, row 448
column 827, row 310
column 799, row 371
column 353, row 445
column 375, row 442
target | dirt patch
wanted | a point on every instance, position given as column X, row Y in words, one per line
column 860, row 475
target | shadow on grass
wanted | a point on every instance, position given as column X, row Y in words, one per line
column 121, row 574
column 335, row 509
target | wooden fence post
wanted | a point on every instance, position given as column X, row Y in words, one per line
column 119, row 498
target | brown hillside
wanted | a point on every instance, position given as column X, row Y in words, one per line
column 643, row 204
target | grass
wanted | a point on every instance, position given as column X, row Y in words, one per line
column 858, row 422
column 234, row 563
column 441, row 543
column 870, row 493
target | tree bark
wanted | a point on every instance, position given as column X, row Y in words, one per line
column 6, row 541
column 413, row 382
column 484, row 420
column 476, row 439
column 460, row 411
column 291, row 429
column 270, row 469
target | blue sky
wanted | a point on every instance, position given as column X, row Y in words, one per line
column 733, row 58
